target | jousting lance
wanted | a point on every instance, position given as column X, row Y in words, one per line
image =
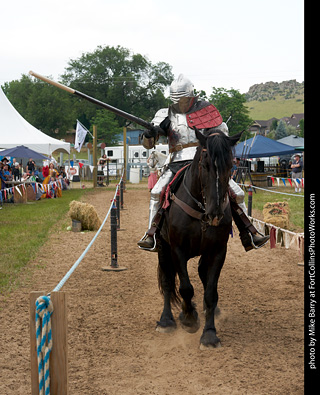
column 115, row 110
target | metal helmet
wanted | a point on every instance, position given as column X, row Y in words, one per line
column 181, row 87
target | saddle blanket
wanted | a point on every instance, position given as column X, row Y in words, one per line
column 172, row 186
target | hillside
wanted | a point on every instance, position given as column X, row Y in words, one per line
column 274, row 99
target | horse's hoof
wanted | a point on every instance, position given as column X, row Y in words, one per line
column 190, row 326
column 204, row 347
column 209, row 340
column 190, row 329
column 168, row 327
column 162, row 329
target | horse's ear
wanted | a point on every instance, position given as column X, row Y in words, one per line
column 235, row 138
column 202, row 139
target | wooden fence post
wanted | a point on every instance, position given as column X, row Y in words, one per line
column 59, row 353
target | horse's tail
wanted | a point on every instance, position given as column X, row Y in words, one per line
column 167, row 275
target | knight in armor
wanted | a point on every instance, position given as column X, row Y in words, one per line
column 176, row 123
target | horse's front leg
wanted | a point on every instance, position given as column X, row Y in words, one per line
column 166, row 280
column 188, row 317
column 209, row 270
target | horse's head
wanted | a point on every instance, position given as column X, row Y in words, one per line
column 214, row 157
column 152, row 160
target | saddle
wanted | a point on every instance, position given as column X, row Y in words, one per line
column 178, row 169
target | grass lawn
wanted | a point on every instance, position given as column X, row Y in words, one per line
column 24, row 228
column 296, row 204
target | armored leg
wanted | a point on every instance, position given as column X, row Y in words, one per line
column 148, row 240
column 249, row 235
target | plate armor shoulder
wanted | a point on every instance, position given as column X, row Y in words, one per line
column 160, row 116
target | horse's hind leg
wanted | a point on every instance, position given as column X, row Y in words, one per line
column 167, row 285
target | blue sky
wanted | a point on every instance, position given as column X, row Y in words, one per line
column 229, row 43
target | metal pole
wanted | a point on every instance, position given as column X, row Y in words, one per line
column 118, row 208
column 250, row 201
column 94, row 144
column 125, row 159
column 114, row 252
column 121, row 194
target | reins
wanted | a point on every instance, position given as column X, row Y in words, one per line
column 191, row 211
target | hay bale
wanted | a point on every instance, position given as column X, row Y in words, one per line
column 86, row 214
column 277, row 213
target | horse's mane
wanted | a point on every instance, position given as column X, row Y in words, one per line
column 220, row 152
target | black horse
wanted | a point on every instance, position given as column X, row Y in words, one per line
column 197, row 223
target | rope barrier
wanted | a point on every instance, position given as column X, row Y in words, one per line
column 268, row 190
column 44, row 309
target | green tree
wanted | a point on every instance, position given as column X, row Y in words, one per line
column 124, row 80
column 301, row 125
column 281, row 130
column 230, row 103
column 107, row 127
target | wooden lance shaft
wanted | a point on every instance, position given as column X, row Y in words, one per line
column 115, row 110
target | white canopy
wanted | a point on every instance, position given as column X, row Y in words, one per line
column 15, row 130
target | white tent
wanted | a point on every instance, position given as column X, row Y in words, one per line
column 15, row 130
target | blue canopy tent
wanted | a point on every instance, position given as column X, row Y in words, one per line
column 260, row 146
column 22, row 152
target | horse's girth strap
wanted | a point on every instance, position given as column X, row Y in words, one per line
column 185, row 207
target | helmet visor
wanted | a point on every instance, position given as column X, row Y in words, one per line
column 184, row 104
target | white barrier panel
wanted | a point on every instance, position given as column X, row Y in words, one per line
column 134, row 175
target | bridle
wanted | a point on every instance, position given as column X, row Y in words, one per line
column 202, row 206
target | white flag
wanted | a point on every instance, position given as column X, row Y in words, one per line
column 81, row 133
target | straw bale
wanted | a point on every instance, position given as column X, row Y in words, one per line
column 277, row 213
column 86, row 214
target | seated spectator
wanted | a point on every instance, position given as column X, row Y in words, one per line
column 24, row 177
column 7, row 173
column 52, row 188
column 63, row 177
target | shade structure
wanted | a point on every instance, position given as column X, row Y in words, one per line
column 22, row 152
column 260, row 146
column 294, row 141
column 14, row 130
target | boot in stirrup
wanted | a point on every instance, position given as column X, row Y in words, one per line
column 148, row 243
column 253, row 240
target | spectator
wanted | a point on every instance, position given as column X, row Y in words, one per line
column 52, row 192
column 2, row 177
column 297, row 171
column 235, row 168
column 24, row 177
column 30, row 166
column 63, row 178
column 14, row 161
column 100, row 173
column 16, row 171
column 6, row 173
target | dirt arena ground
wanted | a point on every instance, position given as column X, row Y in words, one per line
column 113, row 347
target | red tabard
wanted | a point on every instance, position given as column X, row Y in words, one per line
column 207, row 117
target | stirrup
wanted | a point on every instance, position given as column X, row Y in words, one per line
column 151, row 249
column 253, row 245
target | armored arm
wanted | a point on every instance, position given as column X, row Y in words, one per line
column 160, row 124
